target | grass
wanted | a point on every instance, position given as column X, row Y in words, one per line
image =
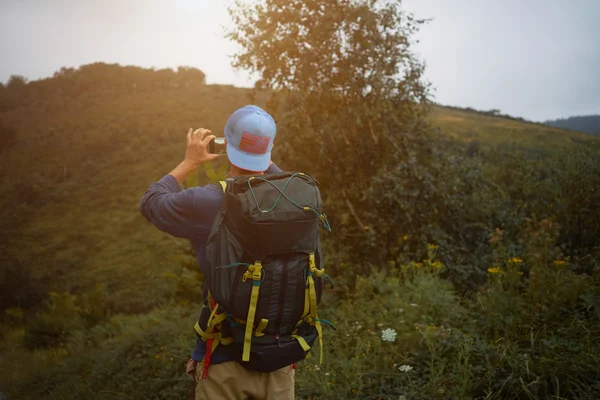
column 85, row 223
column 493, row 131
column 70, row 217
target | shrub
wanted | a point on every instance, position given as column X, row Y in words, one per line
column 54, row 323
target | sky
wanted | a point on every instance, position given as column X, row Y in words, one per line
column 537, row 59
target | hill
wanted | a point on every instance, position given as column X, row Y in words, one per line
column 104, row 301
column 76, row 168
column 80, row 148
column 585, row 123
column 498, row 130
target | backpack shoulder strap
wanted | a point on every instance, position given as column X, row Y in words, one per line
column 221, row 185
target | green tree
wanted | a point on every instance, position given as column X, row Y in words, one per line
column 16, row 82
column 351, row 110
column 190, row 76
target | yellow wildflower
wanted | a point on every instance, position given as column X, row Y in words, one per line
column 559, row 263
column 436, row 264
column 431, row 246
column 495, row 270
column 405, row 237
column 515, row 260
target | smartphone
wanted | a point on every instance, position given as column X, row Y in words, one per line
column 217, row 146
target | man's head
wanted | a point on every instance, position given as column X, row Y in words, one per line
column 250, row 132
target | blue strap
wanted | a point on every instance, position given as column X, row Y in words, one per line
column 326, row 322
column 232, row 265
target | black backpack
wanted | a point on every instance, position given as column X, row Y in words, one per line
column 265, row 277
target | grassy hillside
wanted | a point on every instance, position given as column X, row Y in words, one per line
column 77, row 172
column 494, row 131
column 80, row 165
column 75, row 162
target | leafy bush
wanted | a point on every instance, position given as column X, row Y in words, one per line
column 135, row 357
column 402, row 332
column 54, row 323
column 63, row 315
column 521, row 336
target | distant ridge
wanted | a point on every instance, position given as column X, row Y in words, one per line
column 490, row 113
column 583, row 123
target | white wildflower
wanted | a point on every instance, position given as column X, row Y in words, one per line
column 388, row 335
column 413, row 304
column 326, row 373
column 405, row 368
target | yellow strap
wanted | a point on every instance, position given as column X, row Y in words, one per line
column 253, row 271
column 215, row 343
column 306, row 303
column 227, row 340
column 205, row 336
column 313, row 315
column 223, row 185
column 313, row 297
column 320, row 333
column 302, row 342
column 212, row 315
column 217, row 320
column 256, row 270
column 313, row 266
column 217, row 339
column 313, row 303
column 261, row 327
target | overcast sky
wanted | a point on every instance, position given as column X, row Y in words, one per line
column 538, row 59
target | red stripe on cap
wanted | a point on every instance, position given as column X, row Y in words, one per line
column 254, row 144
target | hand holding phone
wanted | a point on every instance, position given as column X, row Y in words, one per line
column 217, row 146
column 196, row 152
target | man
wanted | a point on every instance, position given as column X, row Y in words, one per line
column 190, row 213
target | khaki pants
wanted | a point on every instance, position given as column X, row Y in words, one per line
column 231, row 381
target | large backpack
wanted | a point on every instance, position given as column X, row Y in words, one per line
column 264, row 272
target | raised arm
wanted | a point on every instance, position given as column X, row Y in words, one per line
column 172, row 209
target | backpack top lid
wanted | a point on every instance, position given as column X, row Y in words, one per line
column 273, row 214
